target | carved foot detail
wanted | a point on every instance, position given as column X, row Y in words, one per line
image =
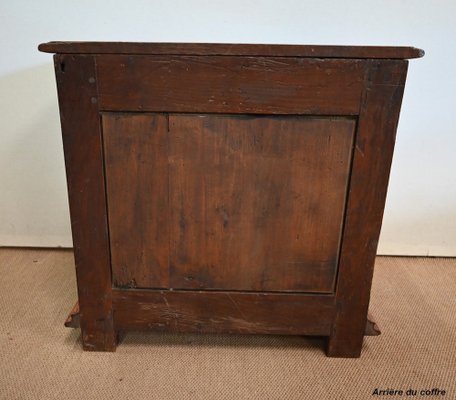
column 72, row 320
column 372, row 328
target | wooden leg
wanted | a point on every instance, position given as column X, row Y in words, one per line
column 349, row 344
column 99, row 341
column 83, row 148
column 373, row 146
column 93, row 340
column 97, row 328
column 344, row 346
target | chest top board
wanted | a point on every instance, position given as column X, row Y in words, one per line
column 227, row 187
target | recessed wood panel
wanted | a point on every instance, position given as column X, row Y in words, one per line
column 136, row 166
column 256, row 203
column 226, row 202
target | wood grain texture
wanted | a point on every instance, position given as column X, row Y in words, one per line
column 136, row 163
column 257, row 203
column 216, row 312
column 82, row 141
column 228, row 84
column 275, row 213
column 211, row 49
column 368, row 185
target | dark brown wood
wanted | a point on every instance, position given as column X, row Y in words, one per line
column 150, row 302
column 229, row 312
column 295, row 239
column 213, row 49
column 137, row 185
column 373, row 153
column 372, row 328
column 257, row 203
column 73, row 320
column 82, row 141
column 243, row 185
column 256, row 85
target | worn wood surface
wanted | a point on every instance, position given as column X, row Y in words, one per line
column 136, row 163
column 206, row 49
column 229, row 312
column 228, row 84
column 82, row 141
column 257, row 203
column 73, row 319
column 368, row 185
column 250, row 203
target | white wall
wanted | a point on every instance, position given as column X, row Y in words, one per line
column 420, row 215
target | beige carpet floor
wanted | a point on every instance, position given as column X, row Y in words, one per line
column 413, row 300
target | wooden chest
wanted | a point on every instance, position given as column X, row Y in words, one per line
column 227, row 188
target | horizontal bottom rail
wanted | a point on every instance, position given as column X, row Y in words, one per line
column 260, row 313
column 229, row 312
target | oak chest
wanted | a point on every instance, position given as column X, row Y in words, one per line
column 227, row 188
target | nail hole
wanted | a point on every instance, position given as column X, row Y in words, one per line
column 62, row 67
